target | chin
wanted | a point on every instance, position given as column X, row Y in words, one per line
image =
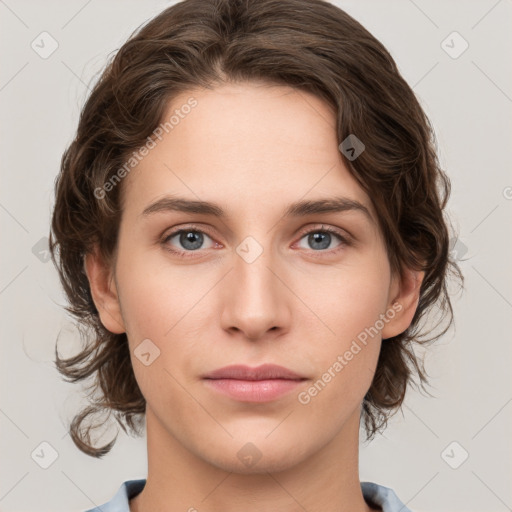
column 262, row 467
column 259, row 457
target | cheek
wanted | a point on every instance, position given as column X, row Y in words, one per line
column 167, row 305
column 345, row 299
column 174, row 307
column 346, row 355
column 348, row 303
column 157, row 296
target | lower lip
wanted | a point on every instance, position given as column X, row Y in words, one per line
column 254, row 390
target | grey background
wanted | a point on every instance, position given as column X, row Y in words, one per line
column 468, row 99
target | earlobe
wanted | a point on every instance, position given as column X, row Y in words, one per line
column 404, row 303
column 104, row 292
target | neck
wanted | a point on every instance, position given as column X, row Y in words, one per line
column 179, row 479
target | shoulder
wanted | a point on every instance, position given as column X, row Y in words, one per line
column 374, row 494
column 384, row 497
column 120, row 501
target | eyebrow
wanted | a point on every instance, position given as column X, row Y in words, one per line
column 297, row 209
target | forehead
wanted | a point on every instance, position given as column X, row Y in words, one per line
column 248, row 144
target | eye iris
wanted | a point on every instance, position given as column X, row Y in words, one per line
column 193, row 237
column 324, row 238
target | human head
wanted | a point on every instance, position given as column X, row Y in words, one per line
column 310, row 46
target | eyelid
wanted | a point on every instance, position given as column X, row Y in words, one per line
column 343, row 234
column 188, row 227
column 345, row 238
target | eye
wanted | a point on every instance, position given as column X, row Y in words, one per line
column 191, row 239
column 188, row 239
column 320, row 239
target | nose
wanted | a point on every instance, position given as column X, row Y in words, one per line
column 256, row 301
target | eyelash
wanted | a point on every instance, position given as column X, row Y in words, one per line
column 345, row 242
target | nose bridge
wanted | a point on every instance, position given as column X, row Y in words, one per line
column 255, row 301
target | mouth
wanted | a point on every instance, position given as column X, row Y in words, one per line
column 261, row 384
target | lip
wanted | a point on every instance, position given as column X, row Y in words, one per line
column 262, row 372
column 260, row 384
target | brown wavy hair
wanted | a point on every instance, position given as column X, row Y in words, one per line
column 310, row 45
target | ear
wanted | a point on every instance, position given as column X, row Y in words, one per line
column 104, row 292
column 404, row 298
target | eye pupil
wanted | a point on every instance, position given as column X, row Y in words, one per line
column 193, row 237
column 323, row 238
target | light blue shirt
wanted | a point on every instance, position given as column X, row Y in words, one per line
column 376, row 495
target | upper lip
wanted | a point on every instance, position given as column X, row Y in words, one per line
column 263, row 372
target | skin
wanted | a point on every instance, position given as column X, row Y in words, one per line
column 253, row 149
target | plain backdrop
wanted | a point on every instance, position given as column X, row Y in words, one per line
column 451, row 452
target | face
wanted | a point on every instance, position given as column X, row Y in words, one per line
column 261, row 283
